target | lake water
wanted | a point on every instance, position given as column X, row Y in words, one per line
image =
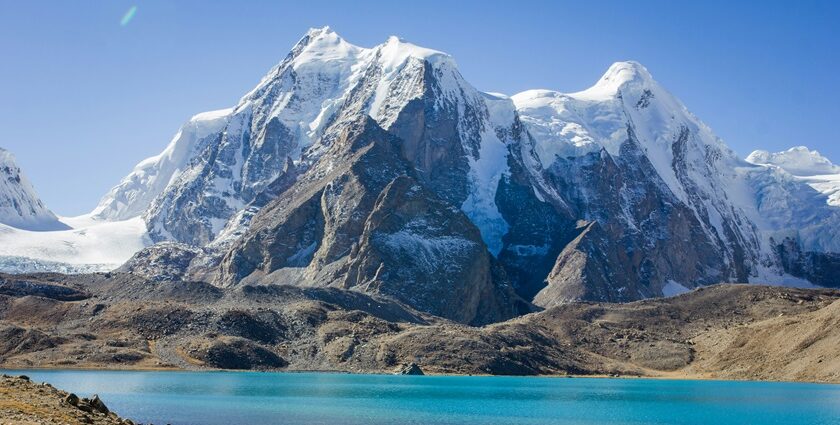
column 224, row 398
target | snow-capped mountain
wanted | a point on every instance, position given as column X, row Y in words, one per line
column 20, row 206
column 383, row 170
column 135, row 193
column 278, row 130
column 806, row 165
column 733, row 214
column 627, row 155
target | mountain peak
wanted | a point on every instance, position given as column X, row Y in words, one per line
column 315, row 32
column 626, row 71
column 322, row 43
column 619, row 75
column 798, row 160
column 396, row 50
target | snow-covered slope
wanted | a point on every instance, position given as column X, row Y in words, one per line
column 598, row 118
column 33, row 239
column 88, row 245
column 133, row 195
column 806, row 165
column 20, row 206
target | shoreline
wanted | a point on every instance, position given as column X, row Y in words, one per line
column 674, row 377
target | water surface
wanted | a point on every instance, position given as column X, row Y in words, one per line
column 224, row 398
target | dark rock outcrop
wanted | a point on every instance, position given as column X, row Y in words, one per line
column 411, row 369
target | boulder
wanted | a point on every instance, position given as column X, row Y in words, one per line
column 411, row 369
column 97, row 404
column 72, row 399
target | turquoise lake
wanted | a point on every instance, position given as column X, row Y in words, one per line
column 211, row 398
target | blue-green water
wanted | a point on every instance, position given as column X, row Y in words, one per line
column 211, row 398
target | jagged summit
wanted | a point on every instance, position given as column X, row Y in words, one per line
column 323, row 45
column 314, row 32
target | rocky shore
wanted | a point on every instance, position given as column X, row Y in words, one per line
column 23, row 402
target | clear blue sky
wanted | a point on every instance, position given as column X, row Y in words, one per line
column 85, row 98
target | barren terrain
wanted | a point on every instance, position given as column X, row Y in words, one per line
column 124, row 321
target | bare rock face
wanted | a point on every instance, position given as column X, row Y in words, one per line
column 640, row 236
column 315, row 222
column 368, row 225
column 580, row 272
column 821, row 268
column 426, row 253
column 430, row 140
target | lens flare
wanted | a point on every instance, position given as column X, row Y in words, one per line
column 128, row 16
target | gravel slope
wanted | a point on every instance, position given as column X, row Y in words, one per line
column 123, row 321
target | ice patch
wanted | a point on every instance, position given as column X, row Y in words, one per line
column 302, row 257
column 480, row 206
column 18, row 265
